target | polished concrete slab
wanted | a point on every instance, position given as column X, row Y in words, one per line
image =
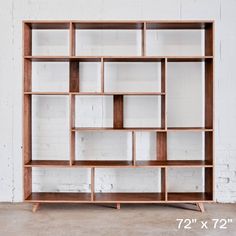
column 78, row 219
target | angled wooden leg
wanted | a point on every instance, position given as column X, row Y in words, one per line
column 35, row 207
column 118, row 206
column 200, row 206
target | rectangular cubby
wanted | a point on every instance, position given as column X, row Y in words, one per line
column 104, row 146
column 129, row 101
column 104, row 39
column 50, row 124
column 60, row 184
column 132, row 77
column 115, row 185
column 47, row 39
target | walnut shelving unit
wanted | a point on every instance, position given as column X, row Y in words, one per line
column 161, row 161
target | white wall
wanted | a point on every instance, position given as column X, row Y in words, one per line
column 11, row 15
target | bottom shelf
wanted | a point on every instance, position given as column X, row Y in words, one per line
column 63, row 197
column 189, row 197
column 59, row 197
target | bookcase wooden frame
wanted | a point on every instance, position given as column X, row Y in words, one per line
column 161, row 161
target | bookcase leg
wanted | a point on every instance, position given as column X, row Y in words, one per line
column 35, row 207
column 118, row 206
column 200, row 206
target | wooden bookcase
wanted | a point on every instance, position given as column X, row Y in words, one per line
column 162, row 161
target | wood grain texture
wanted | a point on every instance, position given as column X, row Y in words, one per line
column 72, row 39
column 161, row 146
column 118, row 122
column 74, row 76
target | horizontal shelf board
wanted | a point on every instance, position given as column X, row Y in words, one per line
column 59, row 197
column 189, row 59
column 178, row 25
column 190, row 129
column 88, row 129
column 189, row 197
column 46, row 93
column 129, row 197
column 109, row 25
column 50, row 25
column 47, row 163
column 118, row 164
column 174, row 163
column 118, row 59
column 119, row 93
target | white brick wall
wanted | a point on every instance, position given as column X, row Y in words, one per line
column 12, row 12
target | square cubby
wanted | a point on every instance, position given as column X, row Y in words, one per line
column 190, row 184
column 123, row 184
column 48, row 76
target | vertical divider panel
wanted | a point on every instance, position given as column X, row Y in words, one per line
column 161, row 143
column 72, row 39
column 209, row 189
column 74, row 76
column 27, row 39
column 144, row 39
column 209, row 39
column 164, row 183
column 72, row 125
column 134, row 148
column 163, row 90
column 92, row 183
column 118, row 112
column 102, row 75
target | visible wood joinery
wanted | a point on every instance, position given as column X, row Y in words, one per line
column 161, row 146
column 118, row 112
column 74, row 76
column 161, row 162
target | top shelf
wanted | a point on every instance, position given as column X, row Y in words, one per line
column 119, row 59
column 114, row 25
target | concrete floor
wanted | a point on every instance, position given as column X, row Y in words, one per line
column 74, row 219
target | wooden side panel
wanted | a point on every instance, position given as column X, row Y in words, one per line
column 209, row 39
column 72, row 125
column 163, row 90
column 74, row 76
column 118, row 112
column 27, row 39
column 161, row 143
column 27, row 182
column 72, row 39
column 209, row 93
column 209, row 147
column 209, row 182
